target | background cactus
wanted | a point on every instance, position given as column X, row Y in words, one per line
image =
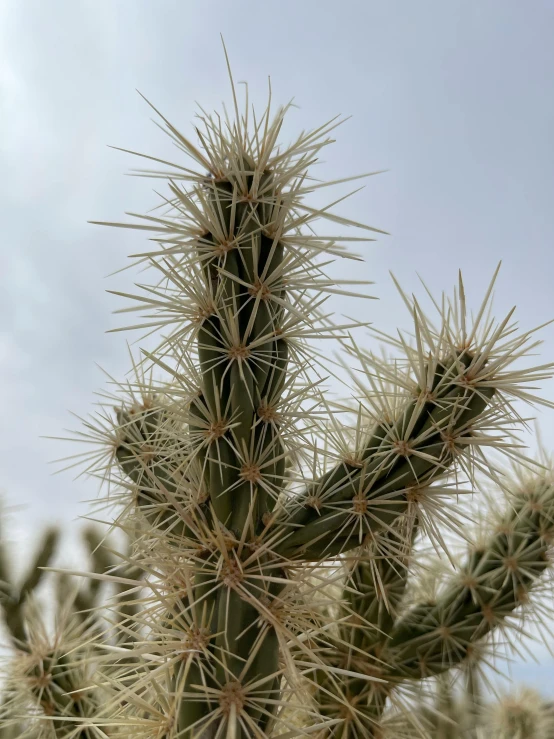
column 246, row 490
column 49, row 688
column 519, row 714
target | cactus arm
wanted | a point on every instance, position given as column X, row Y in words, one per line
column 447, row 719
column 369, row 606
column 13, row 605
column 377, row 584
column 494, row 582
column 154, row 471
column 473, row 698
column 391, row 466
column 100, row 562
column 432, row 638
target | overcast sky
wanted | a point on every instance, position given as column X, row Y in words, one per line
column 454, row 99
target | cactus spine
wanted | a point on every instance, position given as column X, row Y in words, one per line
column 241, row 478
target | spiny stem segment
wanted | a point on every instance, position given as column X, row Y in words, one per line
column 430, row 638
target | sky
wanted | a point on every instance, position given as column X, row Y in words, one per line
column 453, row 99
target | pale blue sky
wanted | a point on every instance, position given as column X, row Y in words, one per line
column 453, row 98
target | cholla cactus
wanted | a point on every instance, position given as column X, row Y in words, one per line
column 13, row 596
column 14, row 599
column 49, row 690
column 418, row 640
column 523, row 714
column 241, row 481
column 520, row 714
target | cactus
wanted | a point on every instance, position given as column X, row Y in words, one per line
column 14, row 599
column 428, row 638
column 242, row 481
column 49, row 688
column 521, row 713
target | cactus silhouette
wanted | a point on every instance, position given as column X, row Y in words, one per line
column 248, row 490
